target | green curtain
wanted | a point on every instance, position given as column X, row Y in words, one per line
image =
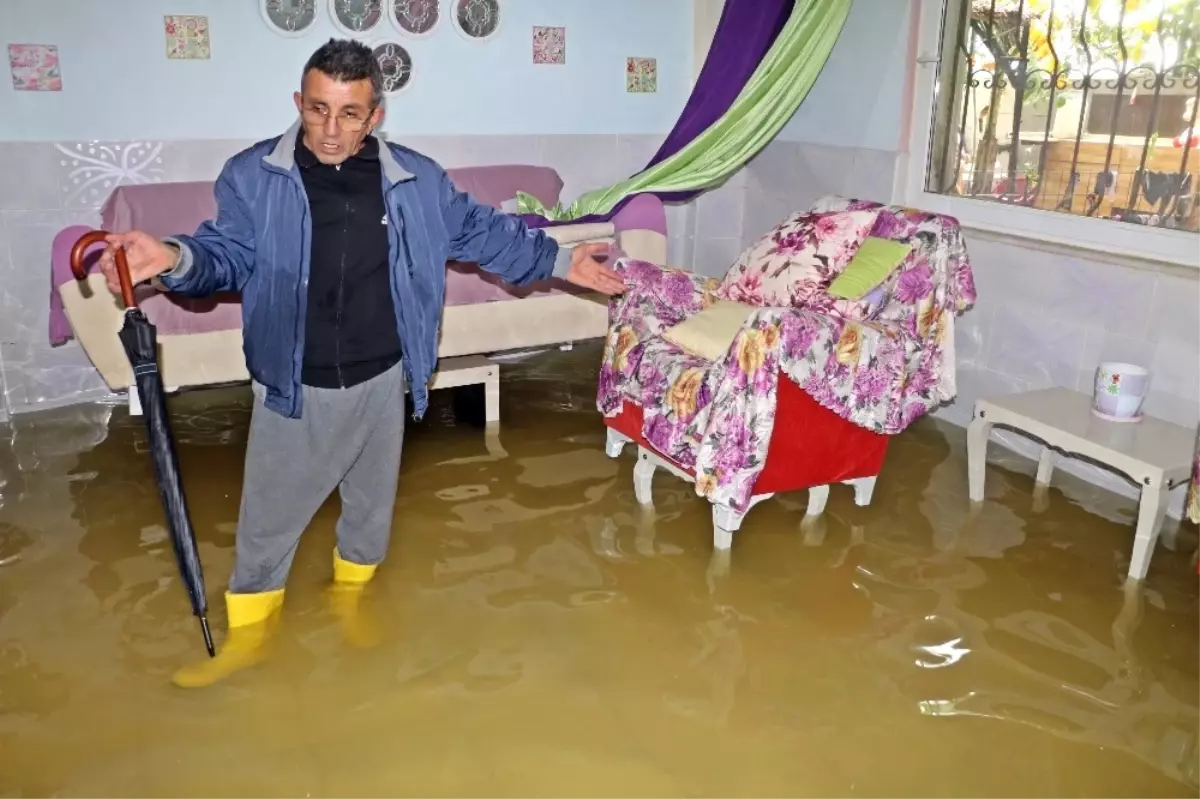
column 765, row 105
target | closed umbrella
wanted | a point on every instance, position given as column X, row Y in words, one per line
column 140, row 339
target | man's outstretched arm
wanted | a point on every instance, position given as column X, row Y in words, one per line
column 508, row 248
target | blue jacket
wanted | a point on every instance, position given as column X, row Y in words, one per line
column 260, row 245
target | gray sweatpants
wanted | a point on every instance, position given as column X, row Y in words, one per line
column 349, row 439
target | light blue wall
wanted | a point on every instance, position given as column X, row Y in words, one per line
column 858, row 99
column 119, row 85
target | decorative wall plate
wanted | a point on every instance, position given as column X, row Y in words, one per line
column 396, row 64
column 356, row 17
column 289, row 17
column 415, row 17
column 478, row 20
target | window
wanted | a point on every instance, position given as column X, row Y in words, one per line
column 1070, row 120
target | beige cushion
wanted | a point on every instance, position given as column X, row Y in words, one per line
column 711, row 332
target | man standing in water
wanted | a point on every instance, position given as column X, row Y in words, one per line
column 338, row 243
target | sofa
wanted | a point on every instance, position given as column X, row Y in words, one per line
column 799, row 387
column 200, row 340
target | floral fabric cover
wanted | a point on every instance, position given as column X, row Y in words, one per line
column 716, row 418
column 791, row 266
column 1193, row 498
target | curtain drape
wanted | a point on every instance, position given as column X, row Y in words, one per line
column 763, row 106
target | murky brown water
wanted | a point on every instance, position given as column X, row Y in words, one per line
column 540, row 635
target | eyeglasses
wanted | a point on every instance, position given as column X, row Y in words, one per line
column 349, row 121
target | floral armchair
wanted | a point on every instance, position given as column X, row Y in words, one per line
column 812, row 386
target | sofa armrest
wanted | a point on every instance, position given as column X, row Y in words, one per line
column 570, row 235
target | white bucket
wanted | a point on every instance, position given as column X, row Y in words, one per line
column 1120, row 392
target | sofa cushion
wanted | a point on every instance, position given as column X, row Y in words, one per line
column 858, row 292
column 711, row 332
column 792, row 265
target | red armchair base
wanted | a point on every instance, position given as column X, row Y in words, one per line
column 810, row 446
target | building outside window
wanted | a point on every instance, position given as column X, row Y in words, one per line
column 1085, row 109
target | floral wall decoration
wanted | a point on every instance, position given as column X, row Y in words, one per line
column 641, row 75
column 415, row 17
column 289, row 17
column 35, row 67
column 477, row 19
column 187, row 36
column 396, row 64
column 356, row 17
column 549, row 45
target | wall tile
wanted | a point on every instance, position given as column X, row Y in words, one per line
column 774, row 170
column 678, row 253
column 763, row 211
column 87, row 172
column 485, row 150
column 1034, row 346
column 40, row 376
column 821, row 171
column 186, row 161
column 1175, row 310
column 971, row 333
column 634, row 152
column 681, row 219
column 29, row 179
column 975, row 382
column 871, row 175
column 1101, row 345
column 714, row 256
column 25, row 284
column 584, row 162
column 719, row 211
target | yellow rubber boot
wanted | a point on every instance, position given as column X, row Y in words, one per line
column 252, row 619
column 345, row 596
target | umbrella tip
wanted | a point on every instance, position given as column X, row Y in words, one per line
column 208, row 641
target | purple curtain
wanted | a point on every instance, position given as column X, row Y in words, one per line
column 745, row 33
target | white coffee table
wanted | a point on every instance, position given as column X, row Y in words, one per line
column 1155, row 454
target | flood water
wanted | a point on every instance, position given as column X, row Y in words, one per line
column 540, row 635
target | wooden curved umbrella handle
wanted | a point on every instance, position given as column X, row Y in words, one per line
column 80, row 271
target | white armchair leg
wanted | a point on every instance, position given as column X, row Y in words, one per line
column 727, row 521
column 614, row 443
column 643, row 478
column 135, row 402
column 864, row 489
column 817, row 497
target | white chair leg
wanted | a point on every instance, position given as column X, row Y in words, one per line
column 615, row 443
column 135, row 402
column 643, row 479
column 977, row 441
column 817, row 497
column 864, row 489
column 726, row 522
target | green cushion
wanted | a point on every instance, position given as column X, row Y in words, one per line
column 871, row 265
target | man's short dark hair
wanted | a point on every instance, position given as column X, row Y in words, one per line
column 347, row 61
